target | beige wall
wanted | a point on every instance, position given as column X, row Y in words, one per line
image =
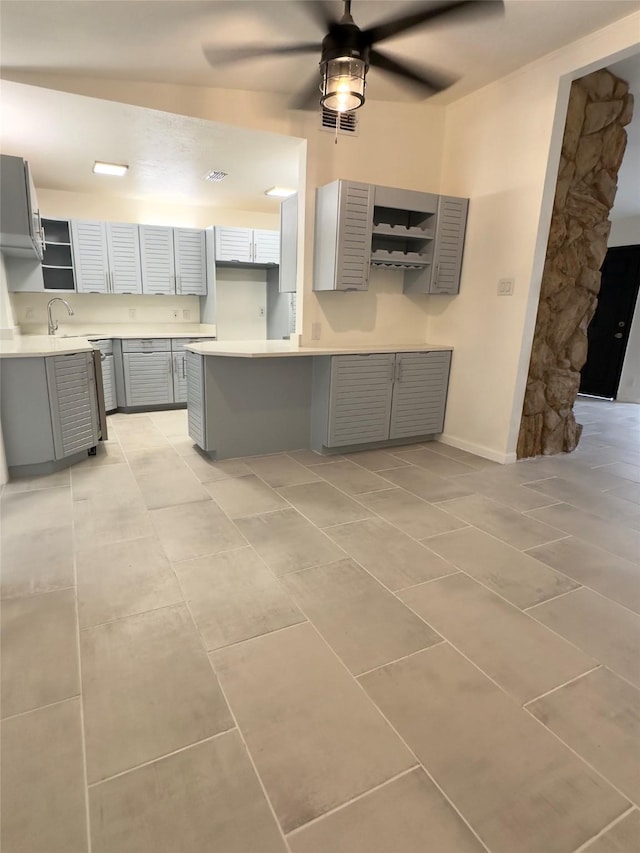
column 501, row 148
column 240, row 297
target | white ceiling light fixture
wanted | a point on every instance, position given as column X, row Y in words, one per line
column 215, row 176
column 118, row 170
column 280, row 192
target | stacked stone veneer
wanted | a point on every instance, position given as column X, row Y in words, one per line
column 592, row 149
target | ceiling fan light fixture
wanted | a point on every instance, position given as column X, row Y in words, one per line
column 343, row 83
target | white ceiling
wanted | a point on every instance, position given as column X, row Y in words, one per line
column 162, row 41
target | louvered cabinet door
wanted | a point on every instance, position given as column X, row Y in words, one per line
column 179, row 377
column 266, row 247
column 123, row 242
column 355, row 217
column 109, row 383
column 74, row 407
column 234, row 244
column 360, row 398
column 452, row 221
column 419, row 393
column 190, row 261
column 196, row 399
column 157, row 259
column 90, row 256
column 148, row 378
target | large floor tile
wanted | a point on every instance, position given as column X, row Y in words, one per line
column 501, row 521
column 323, row 504
column 626, row 470
column 173, row 422
column 629, row 492
column 604, row 534
column 505, row 643
column 26, row 513
column 123, row 578
column 519, row 788
column 437, row 463
column 620, row 838
column 515, row 576
column 101, row 522
column 600, row 570
column 208, row 471
column 602, row 504
column 286, row 541
column 195, row 530
column 44, row 481
column 233, row 596
column 310, row 457
column 351, row 478
column 34, row 564
column 376, row 460
column 403, row 815
column 348, row 607
column 242, row 496
column 316, row 739
column 43, row 796
column 504, row 486
column 602, row 628
column 470, row 459
column 103, row 482
column 411, row 514
column 425, row 484
column 39, row 651
column 148, row 689
column 393, row 557
column 136, row 433
column 598, row 716
column 169, row 483
column 107, row 453
column 205, row 798
column 280, row 470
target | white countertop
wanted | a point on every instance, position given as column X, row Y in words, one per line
column 97, row 331
column 284, row 349
column 34, row 346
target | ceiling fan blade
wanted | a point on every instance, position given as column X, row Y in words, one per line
column 426, row 80
column 307, row 98
column 322, row 11
column 452, row 9
column 217, row 57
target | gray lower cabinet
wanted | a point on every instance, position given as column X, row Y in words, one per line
column 74, row 408
column 196, row 412
column 148, row 378
column 378, row 397
column 179, row 377
column 105, row 345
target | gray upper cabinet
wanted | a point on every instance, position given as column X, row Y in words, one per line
column 173, row 260
column 420, row 387
column 360, row 398
column 452, row 222
column 106, row 257
column 342, row 247
column 20, row 226
column 288, row 245
column 246, row 245
column 74, row 410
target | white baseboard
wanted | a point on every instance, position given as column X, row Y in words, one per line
column 478, row 449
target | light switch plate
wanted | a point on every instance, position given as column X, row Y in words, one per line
column 132, row 313
column 505, row 286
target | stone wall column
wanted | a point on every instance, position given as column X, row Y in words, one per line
column 593, row 146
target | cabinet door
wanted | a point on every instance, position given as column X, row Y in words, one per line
column 109, row 383
column 157, row 258
column 196, row 409
column 452, row 221
column 419, row 393
column 123, row 242
column 288, row 245
column 179, row 377
column 234, row 244
column 355, row 217
column 90, row 256
column 360, row 398
column 74, row 407
column 266, row 247
column 191, row 261
column 148, row 378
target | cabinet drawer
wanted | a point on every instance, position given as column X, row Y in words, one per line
column 178, row 344
column 147, row 345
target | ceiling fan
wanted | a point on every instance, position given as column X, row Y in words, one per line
column 347, row 52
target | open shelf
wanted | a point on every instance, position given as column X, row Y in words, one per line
column 402, row 231
column 57, row 261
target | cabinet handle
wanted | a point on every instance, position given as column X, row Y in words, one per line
column 399, row 370
column 437, row 272
column 184, row 367
column 392, row 371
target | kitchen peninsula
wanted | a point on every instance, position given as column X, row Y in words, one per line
column 246, row 398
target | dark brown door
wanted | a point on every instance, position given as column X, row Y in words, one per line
column 609, row 330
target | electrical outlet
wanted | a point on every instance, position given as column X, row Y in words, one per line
column 261, row 311
column 175, row 313
column 132, row 313
column 186, row 314
column 505, row 286
column 28, row 314
column 316, row 329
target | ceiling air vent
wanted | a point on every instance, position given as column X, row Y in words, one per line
column 348, row 121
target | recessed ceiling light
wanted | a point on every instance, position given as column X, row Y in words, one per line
column 215, row 177
column 117, row 169
column 280, row 192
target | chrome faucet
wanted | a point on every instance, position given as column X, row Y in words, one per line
column 52, row 325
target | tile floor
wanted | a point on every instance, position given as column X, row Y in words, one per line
column 390, row 652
